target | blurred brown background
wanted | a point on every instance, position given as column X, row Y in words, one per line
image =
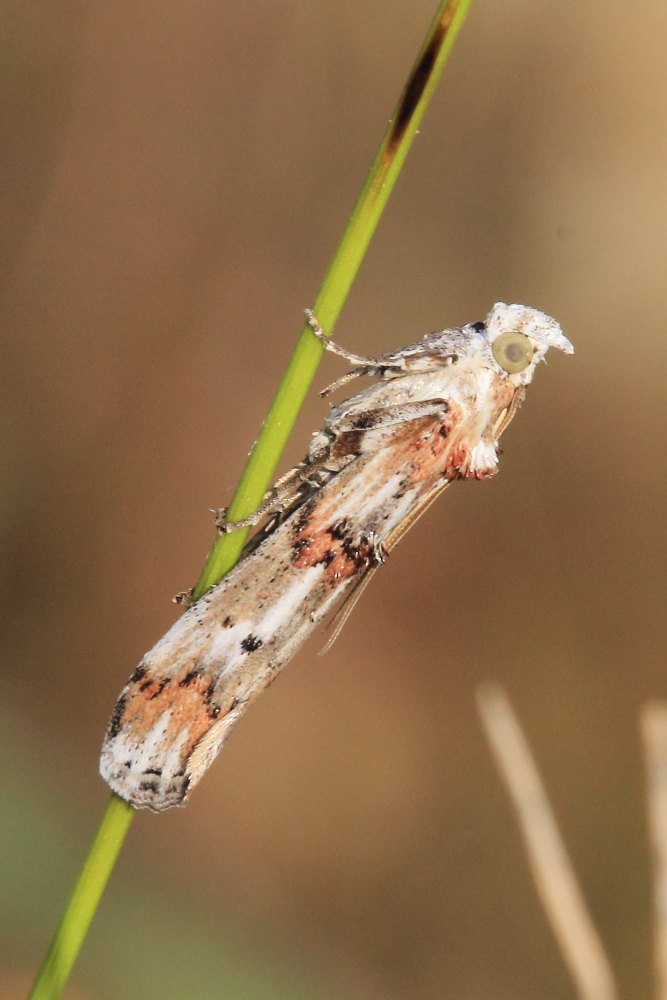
column 175, row 178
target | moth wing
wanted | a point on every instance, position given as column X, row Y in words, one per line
column 339, row 618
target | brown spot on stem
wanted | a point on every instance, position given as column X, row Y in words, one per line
column 416, row 85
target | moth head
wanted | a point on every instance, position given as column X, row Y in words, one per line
column 520, row 337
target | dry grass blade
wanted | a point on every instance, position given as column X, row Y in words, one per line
column 654, row 735
column 552, row 869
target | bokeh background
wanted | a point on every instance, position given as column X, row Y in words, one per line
column 174, row 179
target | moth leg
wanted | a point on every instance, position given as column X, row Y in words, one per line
column 330, row 345
column 388, row 416
column 359, row 431
column 363, row 365
column 275, row 500
column 371, row 430
column 343, row 380
column 311, row 472
column 224, row 527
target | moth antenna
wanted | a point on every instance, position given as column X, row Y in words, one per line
column 340, row 617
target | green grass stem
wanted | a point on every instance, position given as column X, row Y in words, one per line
column 83, row 902
column 269, row 445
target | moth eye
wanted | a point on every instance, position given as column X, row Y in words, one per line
column 513, row 351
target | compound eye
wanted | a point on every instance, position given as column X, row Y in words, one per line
column 513, row 351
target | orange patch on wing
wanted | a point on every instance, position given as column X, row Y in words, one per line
column 430, row 454
column 439, row 451
column 340, row 559
column 189, row 696
column 334, row 544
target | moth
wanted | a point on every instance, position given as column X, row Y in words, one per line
column 433, row 415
